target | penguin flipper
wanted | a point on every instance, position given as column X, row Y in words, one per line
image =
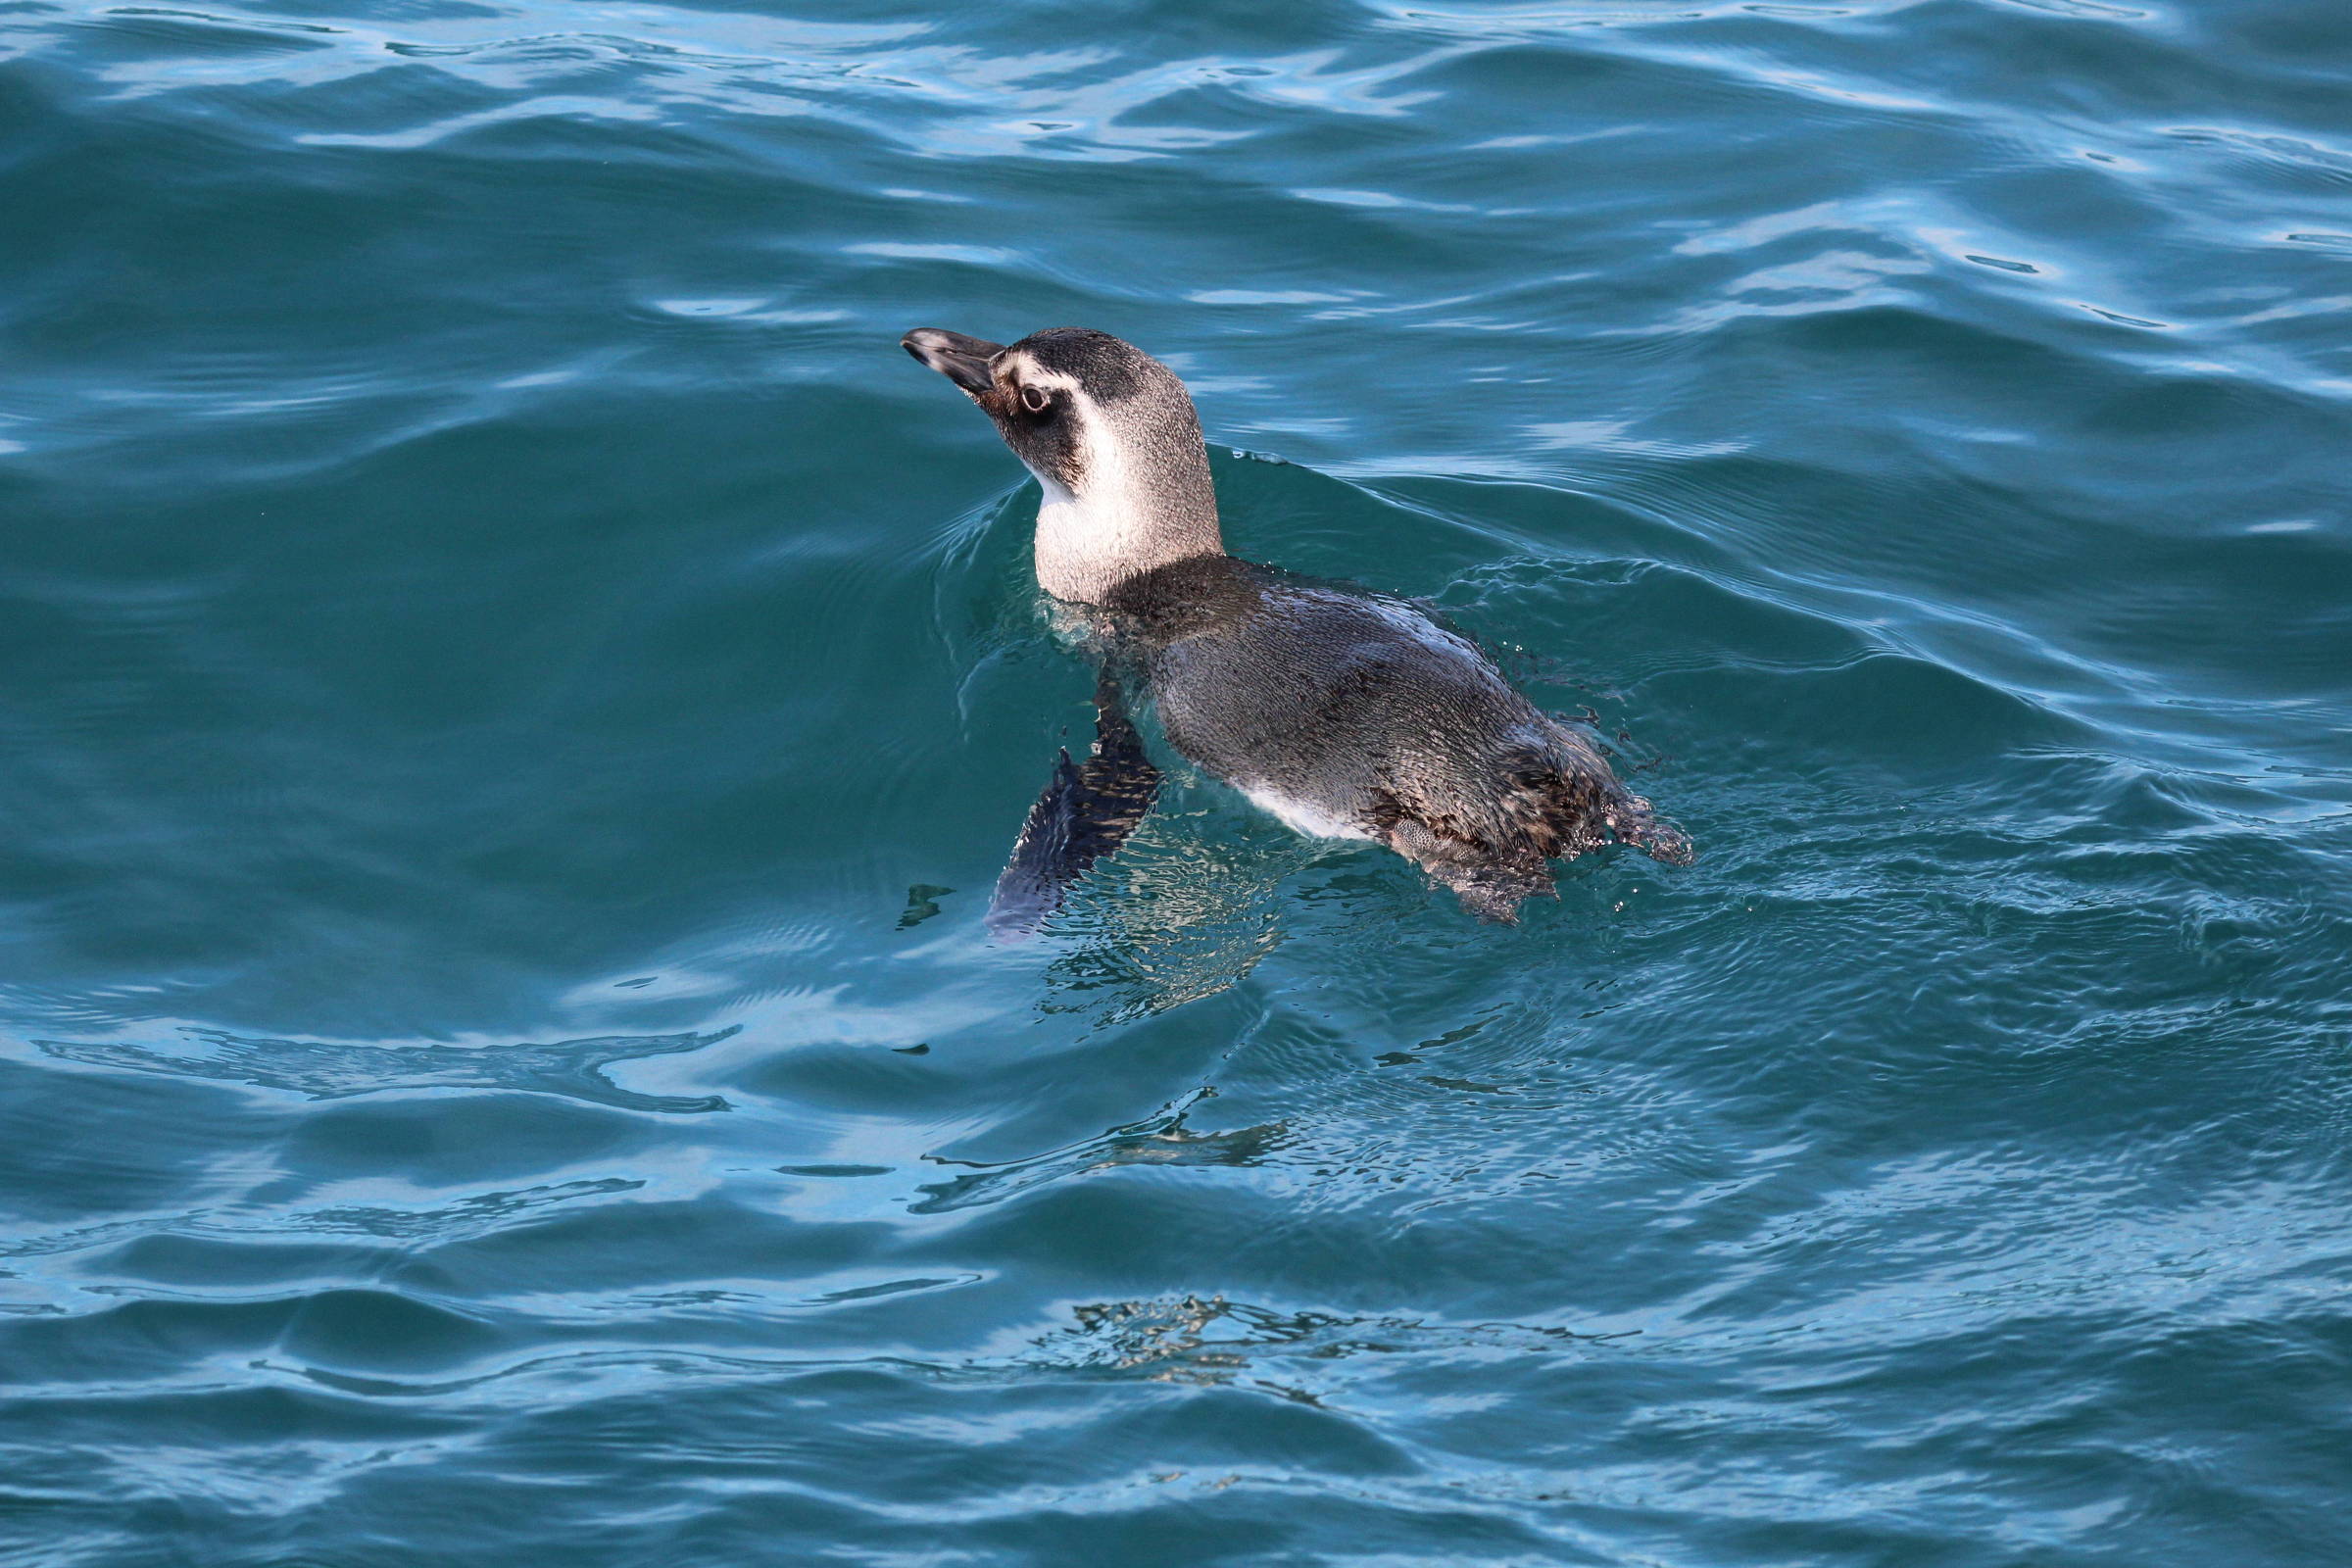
column 1085, row 813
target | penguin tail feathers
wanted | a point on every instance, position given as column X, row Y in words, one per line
column 1584, row 805
column 1631, row 820
column 1490, row 835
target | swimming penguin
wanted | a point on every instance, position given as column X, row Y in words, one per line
column 1345, row 713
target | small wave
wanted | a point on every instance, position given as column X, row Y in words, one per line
column 335, row 1070
column 469, row 1216
column 1157, row 1140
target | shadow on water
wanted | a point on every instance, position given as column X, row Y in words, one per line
column 1187, row 910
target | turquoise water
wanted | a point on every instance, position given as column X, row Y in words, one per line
column 515, row 692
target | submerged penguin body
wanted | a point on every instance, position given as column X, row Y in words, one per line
column 1344, row 712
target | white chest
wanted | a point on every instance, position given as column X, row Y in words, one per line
column 1083, row 549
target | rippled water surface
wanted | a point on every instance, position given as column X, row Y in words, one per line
column 515, row 692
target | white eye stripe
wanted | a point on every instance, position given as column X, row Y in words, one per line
column 1028, row 372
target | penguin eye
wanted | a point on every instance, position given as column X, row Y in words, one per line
column 1036, row 399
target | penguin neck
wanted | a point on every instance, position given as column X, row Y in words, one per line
column 1126, row 518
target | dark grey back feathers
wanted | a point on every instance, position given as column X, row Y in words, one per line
column 1366, row 711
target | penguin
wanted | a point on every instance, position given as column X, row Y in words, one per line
column 1344, row 712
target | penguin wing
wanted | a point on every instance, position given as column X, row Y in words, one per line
column 1085, row 813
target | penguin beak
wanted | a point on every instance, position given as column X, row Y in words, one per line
column 963, row 359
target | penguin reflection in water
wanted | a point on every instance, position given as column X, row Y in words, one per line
column 1345, row 713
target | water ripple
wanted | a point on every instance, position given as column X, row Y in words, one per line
column 334, row 1070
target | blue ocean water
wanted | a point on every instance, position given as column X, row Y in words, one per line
column 515, row 692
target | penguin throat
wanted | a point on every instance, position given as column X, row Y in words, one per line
column 1120, row 521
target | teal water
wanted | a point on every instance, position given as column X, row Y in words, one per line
column 515, row 691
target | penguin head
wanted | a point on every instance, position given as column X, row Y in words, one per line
column 1087, row 413
column 1111, row 436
